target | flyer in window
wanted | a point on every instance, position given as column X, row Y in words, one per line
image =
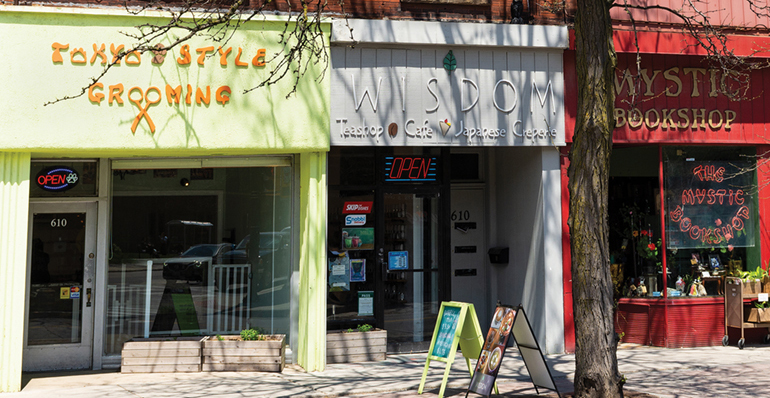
column 358, row 270
column 339, row 267
column 398, row 260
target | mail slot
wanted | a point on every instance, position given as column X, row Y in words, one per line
column 465, row 272
column 465, row 249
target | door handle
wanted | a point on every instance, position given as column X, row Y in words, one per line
column 88, row 297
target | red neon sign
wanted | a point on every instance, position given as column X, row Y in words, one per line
column 410, row 168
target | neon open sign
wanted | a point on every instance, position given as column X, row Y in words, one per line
column 57, row 179
column 411, row 168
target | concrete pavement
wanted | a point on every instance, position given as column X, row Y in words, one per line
column 687, row 372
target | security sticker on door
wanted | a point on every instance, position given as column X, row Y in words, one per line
column 64, row 293
column 355, row 220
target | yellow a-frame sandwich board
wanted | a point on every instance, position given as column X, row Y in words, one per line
column 457, row 323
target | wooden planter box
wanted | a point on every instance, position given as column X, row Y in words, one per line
column 345, row 347
column 161, row 355
column 235, row 355
column 756, row 315
column 752, row 287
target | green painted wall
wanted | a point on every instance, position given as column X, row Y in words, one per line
column 261, row 121
column 14, row 210
column 311, row 350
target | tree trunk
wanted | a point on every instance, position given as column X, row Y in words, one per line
column 596, row 373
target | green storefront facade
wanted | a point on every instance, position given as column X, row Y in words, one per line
column 163, row 200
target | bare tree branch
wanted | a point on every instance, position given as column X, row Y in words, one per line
column 302, row 40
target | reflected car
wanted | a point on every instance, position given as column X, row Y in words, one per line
column 191, row 265
column 269, row 242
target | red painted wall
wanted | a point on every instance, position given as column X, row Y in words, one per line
column 681, row 90
column 665, row 52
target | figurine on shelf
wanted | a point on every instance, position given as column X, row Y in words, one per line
column 680, row 284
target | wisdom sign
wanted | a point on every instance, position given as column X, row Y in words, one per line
column 410, row 98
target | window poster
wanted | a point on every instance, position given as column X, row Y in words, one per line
column 365, row 303
column 398, row 261
column 492, row 352
column 339, row 269
column 358, row 238
column 710, row 204
column 358, row 270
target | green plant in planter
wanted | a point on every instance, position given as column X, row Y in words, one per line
column 253, row 334
column 755, row 275
column 365, row 327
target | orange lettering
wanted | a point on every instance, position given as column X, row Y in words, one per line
column 78, row 51
column 223, row 55
column 98, row 97
column 200, row 97
column 238, row 58
column 57, row 48
column 223, row 98
column 260, row 54
column 99, row 51
column 185, row 58
column 189, row 94
column 203, row 51
column 114, row 94
column 173, row 95
column 116, row 52
column 135, row 54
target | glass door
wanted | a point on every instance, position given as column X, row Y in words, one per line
column 61, row 258
column 410, row 249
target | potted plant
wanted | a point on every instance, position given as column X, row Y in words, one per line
column 161, row 354
column 363, row 344
column 753, row 280
column 252, row 351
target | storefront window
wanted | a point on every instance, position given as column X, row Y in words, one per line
column 209, row 247
column 710, row 216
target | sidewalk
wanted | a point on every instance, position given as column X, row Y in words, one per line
column 655, row 371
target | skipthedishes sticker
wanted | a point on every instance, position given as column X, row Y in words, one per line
column 355, row 220
column 357, row 208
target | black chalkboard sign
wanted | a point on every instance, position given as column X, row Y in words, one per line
column 710, row 204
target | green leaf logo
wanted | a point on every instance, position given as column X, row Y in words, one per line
column 450, row 62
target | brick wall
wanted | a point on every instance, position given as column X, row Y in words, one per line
column 496, row 11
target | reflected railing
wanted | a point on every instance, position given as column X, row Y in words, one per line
column 143, row 301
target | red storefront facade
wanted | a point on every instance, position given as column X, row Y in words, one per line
column 670, row 115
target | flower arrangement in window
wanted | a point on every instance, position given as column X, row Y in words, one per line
column 647, row 247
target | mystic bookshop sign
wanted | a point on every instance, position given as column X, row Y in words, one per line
column 443, row 97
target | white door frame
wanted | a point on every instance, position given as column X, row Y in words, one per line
column 76, row 355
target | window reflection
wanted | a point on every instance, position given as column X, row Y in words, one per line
column 192, row 247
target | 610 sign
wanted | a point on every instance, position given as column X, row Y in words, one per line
column 58, row 222
column 461, row 215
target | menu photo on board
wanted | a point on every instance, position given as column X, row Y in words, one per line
column 492, row 352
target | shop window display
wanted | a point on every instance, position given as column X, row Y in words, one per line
column 710, row 217
column 213, row 246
